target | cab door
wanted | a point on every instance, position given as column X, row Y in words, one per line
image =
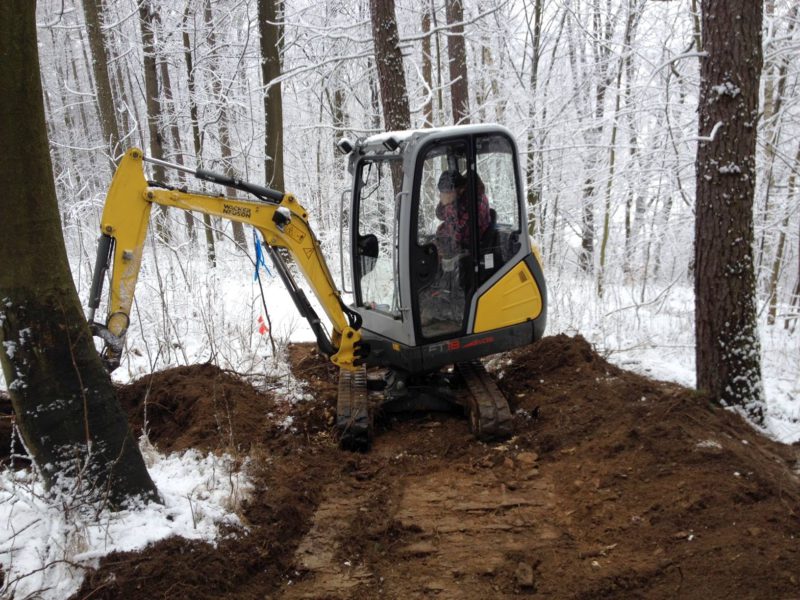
column 449, row 275
column 375, row 231
column 442, row 240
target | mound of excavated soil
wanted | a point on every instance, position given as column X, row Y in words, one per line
column 614, row 486
column 198, row 406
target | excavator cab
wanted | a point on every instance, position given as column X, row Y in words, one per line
column 443, row 273
column 443, row 270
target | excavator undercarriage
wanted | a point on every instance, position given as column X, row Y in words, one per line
column 467, row 388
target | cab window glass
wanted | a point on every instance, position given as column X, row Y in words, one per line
column 376, row 234
column 443, row 263
column 496, row 182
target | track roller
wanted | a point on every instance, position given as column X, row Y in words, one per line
column 489, row 413
column 353, row 415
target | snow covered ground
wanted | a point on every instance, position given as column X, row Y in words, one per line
column 46, row 544
column 186, row 313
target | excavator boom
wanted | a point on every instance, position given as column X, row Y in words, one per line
column 280, row 218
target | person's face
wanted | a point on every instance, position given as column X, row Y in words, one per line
column 447, row 197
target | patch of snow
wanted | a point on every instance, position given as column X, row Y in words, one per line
column 730, row 169
column 726, row 89
column 709, row 444
column 45, row 551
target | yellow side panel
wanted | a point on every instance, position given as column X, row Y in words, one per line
column 514, row 299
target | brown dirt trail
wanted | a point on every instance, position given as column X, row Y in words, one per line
column 614, row 486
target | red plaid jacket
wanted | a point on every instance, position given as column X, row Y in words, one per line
column 452, row 234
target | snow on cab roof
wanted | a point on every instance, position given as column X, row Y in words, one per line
column 404, row 135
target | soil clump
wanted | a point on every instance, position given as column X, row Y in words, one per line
column 613, row 486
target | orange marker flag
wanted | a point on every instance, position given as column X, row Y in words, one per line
column 262, row 326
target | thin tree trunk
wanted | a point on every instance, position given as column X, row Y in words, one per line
column 92, row 11
column 389, row 60
column 697, row 31
column 175, row 133
column 777, row 263
column 269, row 22
column 65, row 406
column 630, row 205
column 374, row 96
column 153, row 102
column 534, row 192
column 457, row 56
column 794, row 304
column 612, row 150
column 211, row 253
column 222, row 124
column 775, row 76
column 439, row 109
column 427, row 69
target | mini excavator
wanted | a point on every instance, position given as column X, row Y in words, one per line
column 424, row 309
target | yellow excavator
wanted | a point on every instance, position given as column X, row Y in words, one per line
column 435, row 246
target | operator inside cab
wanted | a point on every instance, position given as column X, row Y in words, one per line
column 453, row 234
column 443, row 303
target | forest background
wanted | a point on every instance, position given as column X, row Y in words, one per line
column 601, row 96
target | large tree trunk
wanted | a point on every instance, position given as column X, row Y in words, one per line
column 389, row 60
column 457, row 55
column 92, row 11
column 65, row 405
column 728, row 351
column 269, row 15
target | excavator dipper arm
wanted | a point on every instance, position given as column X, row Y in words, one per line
column 280, row 218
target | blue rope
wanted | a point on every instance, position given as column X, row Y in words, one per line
column 259, row 256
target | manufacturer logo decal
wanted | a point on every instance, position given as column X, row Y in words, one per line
column 236, row 211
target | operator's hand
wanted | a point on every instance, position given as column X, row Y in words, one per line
column 449, row 264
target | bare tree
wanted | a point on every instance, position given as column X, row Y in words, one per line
column 93, row 10
column 211, row 252
column 457, row 55
column 728, row 351
column 269, row 15
column 389, row 60
column 65, row 405
column 223, row 124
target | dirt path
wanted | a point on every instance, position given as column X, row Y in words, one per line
column 450, row 526
column 614, row 486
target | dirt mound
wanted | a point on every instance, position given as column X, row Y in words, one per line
column 199, row 406
column 614, row 486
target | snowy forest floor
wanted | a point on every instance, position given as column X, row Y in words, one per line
column 614, row 485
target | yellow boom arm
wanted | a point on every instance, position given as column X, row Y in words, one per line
column 283, row 224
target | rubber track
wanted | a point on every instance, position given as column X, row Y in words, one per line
column 353, row 418
column 490, row 415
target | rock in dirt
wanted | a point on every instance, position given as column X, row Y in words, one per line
column 524, row 575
